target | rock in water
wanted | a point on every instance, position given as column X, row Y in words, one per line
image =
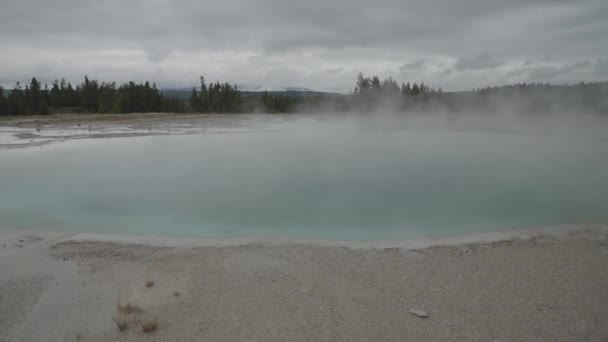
column 419, row 313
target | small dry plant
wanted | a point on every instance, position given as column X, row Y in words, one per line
column 121, row 320
column 149, row 283
column 149, row 326
column 128, row 308
column 125, row 308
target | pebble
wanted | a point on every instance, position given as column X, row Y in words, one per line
column 419, row 313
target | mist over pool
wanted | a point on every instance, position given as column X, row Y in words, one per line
column 345, row 178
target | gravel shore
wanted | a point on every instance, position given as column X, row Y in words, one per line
column 537, row 287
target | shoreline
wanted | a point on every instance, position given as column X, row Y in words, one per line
column 72, row 120
column 18, row 132
column 541, row 284
column 173, row 241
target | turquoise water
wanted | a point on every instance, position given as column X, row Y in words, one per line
column 328, row 179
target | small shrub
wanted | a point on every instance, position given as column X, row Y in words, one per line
column 122, row 321
column 128, row 307
column 149, row 326
column 149, row 283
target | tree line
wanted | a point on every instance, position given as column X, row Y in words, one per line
column 369, row 93
column 215, row 98
column 90, row 96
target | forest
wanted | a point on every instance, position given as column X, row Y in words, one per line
column 369, row 94
column 90, row 96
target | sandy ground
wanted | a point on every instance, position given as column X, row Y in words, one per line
column 534, row 287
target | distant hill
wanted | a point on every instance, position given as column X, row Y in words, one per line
column 185, row 94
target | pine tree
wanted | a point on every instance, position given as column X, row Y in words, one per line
column 44, row 105
column 194, row 101
column 2, row 102
column 16, row 101
column 106, row 100
column 267, row 101
column 71, row 96
column 204, row 97
column 376, row 83
column 63, row 96
column 119, row 104
column 55, row 95
column 27, row 99
column 84, row 102
column 157, row 101
column 363, row 83
column 35, row 97
column 415, row 90
column 147, row 98
column 89, row 96
column 389, row 86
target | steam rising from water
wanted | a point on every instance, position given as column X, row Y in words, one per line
column 336, row 177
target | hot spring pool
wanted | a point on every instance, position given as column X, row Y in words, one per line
column 340, row 179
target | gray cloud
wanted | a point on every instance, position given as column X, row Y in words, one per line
column 601, row 67
column 277, row 43
column 479, row 61
column 539, row 72
column 412, row 66
column 544, row 73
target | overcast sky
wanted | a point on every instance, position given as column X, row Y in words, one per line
column 319, row 44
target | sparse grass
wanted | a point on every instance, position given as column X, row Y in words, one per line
column 149, row 326
column 126, row 312
column 128, row 308
column 122, row 322
column 123, row 312
column 149, row 283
